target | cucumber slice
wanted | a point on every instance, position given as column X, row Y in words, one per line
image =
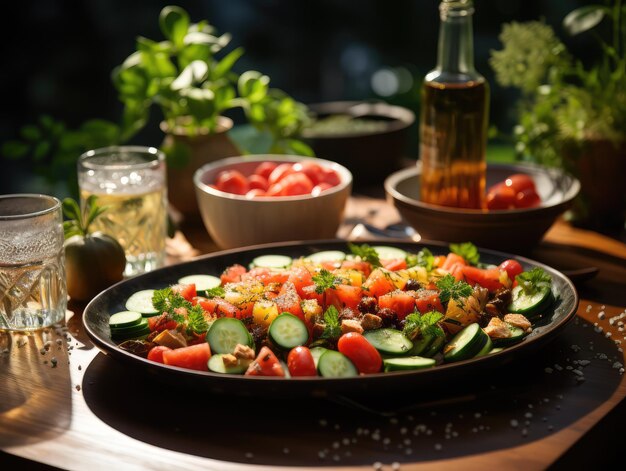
column 134, row 331
column 202, row 282
column 225, row 333
column 333, row 364
column 327, row 256
column 141, row 301
column 496, row 350
column 517, row 335
column 387, row 253
column 216, row 364
column 288, row 331
column 124, row 319
column 526, row 304
column 435, row 347
column 420, row 345
column 272, row 261
column 407, row 363
column 389, row 341
column 317, row 352
column 466, row 343
column 487, row 348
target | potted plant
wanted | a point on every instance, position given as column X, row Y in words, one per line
column 187, row 76
column 193, row 88
column 572, row 115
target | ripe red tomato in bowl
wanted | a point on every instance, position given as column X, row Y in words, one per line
column 282, row 179
column 517, row 191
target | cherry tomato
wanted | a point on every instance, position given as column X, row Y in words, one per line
column 330, row 176
column 527, row 199
column 257, row 182
column 275, row 190
column 156, row 353
column 232, row 181
column 300, row 362
column 512, row 268
column 501, row 197
column 296, row 184
column 520, row 182
column 362, row 353
column 264, row 169
column 280, row 172
column 317, row 189
column 311, row 169
column 254, row 193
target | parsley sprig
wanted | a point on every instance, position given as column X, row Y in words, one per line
column 451, row 289
column 426, row 323
column 468, row 251
column 332, row 326
column 533, row 280
column 325, row 280
column 366, row 253
column 167, row 301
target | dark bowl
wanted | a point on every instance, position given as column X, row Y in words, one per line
column 516, row 230
column 370, row 156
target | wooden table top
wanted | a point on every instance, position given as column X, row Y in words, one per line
column 74, row 408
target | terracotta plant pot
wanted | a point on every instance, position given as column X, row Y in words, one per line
column 601, row 168
column 186, row 154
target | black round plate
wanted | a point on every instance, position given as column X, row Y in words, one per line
column 97, row 312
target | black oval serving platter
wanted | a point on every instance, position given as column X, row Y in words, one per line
column 96, row 321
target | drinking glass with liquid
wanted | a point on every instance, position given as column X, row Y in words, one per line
column 33, row 290
column 130, row 181
column 454, row 116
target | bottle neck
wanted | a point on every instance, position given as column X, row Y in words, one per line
column 456, row 43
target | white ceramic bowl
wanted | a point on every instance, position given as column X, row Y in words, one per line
column 235, row 221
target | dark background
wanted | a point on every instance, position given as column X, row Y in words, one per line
column 58, row 54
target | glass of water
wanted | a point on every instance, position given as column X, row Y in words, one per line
column 130, row 182
column 33, row 292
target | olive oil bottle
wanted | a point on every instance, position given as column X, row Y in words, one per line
column 454, row 116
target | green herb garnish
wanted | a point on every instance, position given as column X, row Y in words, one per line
column 217, row 292
column 531, row 281
column 423, row 258
column 325, row 280
column 167, row 301
column 332, row 327
column 468, row 251
column 366, row 253
column 451, row 289
column 425, row 323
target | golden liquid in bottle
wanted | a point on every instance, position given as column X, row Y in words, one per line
column 452, row 143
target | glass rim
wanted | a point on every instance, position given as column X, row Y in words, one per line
column 56, row 205
column 84, row 162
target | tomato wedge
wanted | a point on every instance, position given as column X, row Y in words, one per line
column 194, row 357
column 265, row 364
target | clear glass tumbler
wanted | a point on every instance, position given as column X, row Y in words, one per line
column 33, row 291
column 131, row 182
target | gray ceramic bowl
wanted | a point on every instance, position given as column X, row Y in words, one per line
column 370, row 155
column 235, row 221
column 515, row 230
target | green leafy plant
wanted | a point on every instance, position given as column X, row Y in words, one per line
column 425, row 324
column 565, row 104
column 190, row 79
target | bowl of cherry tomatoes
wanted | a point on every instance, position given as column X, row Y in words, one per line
column 522, row 202
column 257, row 199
